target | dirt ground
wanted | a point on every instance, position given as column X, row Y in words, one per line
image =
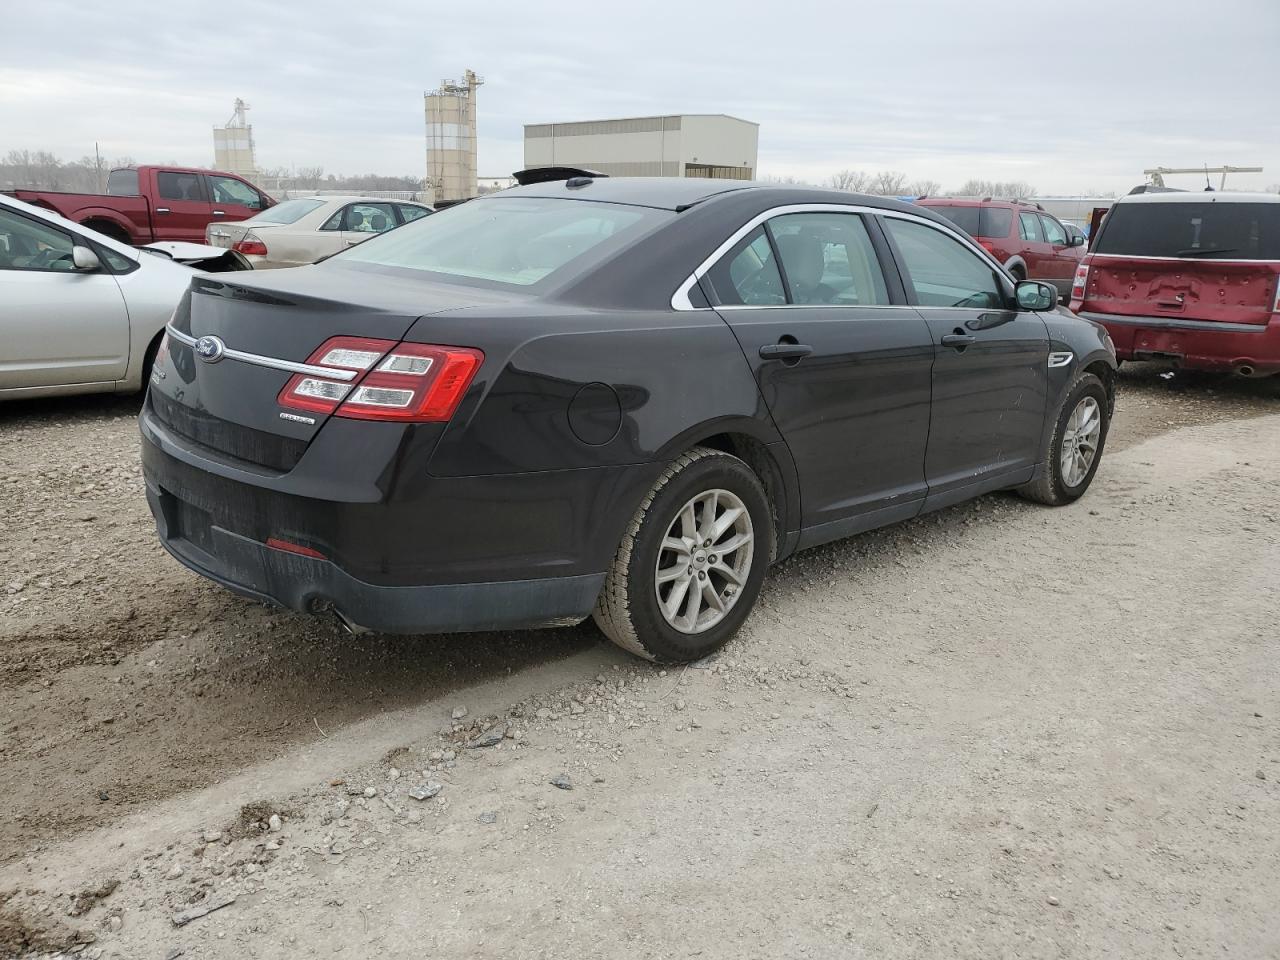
column 999, row 730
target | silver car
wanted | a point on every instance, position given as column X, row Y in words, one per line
column 80, row 312
column 302, row 230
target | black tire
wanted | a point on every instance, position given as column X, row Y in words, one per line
column 1050, row 487
column 108, row 229
column 1019, row 273
column 627, row 610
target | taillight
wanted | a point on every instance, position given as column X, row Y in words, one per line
column 987, row 245
column 415, row 382
column 250, row 245
column 1276, row 307
column 1078, row 284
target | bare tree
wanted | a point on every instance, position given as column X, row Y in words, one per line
column 1004, row 189
column 924, row 188
column 855, row 181
column 888, row 183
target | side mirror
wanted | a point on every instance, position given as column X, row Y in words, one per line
column 1033, row 295
column 1076, row 240
column 85, row 259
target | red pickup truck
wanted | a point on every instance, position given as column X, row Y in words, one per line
column 145, row 204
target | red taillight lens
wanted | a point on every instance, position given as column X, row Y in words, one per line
column 987, row 245
column 415, row 381
column 253, row 248
column 348, row 357
column 383, row 380
column 1078, row 286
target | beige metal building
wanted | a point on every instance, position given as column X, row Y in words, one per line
column 687, row 145
column 233, row 144
column 451, row 139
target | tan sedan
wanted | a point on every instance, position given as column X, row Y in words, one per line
column 301, row 231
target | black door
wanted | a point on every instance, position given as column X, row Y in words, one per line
column 991, row 369
column 845, row 374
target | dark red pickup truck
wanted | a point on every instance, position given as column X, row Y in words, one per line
column 145, row 204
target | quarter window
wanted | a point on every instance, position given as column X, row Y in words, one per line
column 1029, row 227
column 175, row 185
column 31, row 245
column 1053, row 231
column 748, row 275
column 828, row 259
column 942, row 271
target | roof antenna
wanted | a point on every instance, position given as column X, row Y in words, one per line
column 1208, row 187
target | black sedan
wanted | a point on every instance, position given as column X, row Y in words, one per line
column 623, row 398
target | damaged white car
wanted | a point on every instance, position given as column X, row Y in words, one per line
column 80, row 312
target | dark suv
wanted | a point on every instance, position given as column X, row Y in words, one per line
column 1030, row 243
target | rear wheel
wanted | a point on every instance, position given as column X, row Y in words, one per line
column 108, row 229
column 1075, row 449
column 690, row 565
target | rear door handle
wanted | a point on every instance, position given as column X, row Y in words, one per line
column 785, row 351
column 162, row 209
column 219, row 213
column 958, row 340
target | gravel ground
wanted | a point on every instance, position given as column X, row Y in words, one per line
column 995, row 731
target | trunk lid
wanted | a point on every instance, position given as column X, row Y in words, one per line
column 230, row 404
column 225, row 235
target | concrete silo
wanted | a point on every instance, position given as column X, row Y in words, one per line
column 451, row 139
column 233, row 149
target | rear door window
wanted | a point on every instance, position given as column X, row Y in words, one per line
column 370, row 218
column 410, row 212
column 1228, row 229
column 828, row 259
column 175, row 185
column 942, row 271
column 748, row 274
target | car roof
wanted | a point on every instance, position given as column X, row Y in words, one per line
column 357, row 198
column 976, row 202
column 1205, row 196
column 677, row 193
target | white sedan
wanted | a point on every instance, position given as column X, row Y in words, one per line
column 301, row 231
column 80, row 312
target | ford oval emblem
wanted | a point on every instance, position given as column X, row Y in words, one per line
column 210, row 349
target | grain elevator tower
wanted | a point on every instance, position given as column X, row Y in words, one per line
column 451, row 139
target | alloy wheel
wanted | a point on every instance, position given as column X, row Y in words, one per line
column 1080, row 441
column 704, row 561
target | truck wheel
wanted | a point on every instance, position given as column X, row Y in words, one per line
column 1075, row 449
column 691, row 562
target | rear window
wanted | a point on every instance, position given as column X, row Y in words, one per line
column 978, row 221
column 122, row 183
column 290, row 211
column 511, row 240
column 1227, row 229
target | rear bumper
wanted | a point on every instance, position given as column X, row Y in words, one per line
column 403, row 552
column 1195, row 344
column 309, row 585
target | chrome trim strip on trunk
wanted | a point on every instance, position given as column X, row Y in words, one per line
column 289, row 366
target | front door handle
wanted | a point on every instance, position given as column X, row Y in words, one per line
column 219, row 213
column 958, row 340
column 785, row 351
column 162, row 209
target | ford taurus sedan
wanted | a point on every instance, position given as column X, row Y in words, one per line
column 619, row 398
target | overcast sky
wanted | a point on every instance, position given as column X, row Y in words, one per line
column 1072, row 95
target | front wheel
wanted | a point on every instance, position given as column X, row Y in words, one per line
column 1075, row 449
column 690, row 565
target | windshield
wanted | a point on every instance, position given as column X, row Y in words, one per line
column 977, row 221
column 1227, row 229
column 291, row 211
column 513, row 240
